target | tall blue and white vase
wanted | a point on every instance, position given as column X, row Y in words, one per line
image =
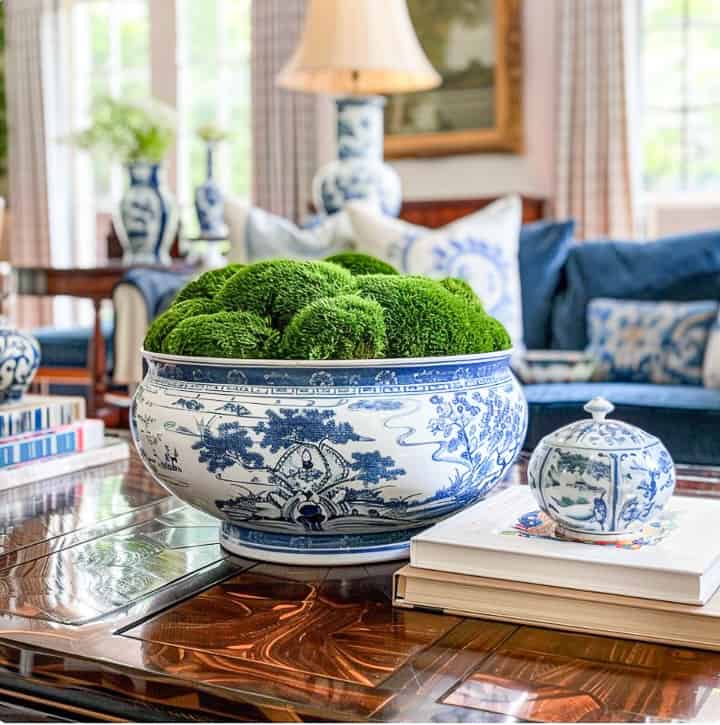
column 359, row 172
column 148, row 218
column 209, row 203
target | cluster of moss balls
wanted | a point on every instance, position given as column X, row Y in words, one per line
column 349, row 307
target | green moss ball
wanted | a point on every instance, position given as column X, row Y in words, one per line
column 164, row 324
column 346, row 327
column 461, row 288
column 280, row 288
column 423, row 319
column 207, row 285
column 359, row 263
column 223, row 334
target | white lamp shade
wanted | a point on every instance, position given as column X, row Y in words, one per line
column 358, row 47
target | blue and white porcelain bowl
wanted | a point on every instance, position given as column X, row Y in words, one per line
column 328, row 462
column 601, row 480
column 19, row 361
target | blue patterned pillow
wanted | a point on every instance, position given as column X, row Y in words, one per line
column 650, row 342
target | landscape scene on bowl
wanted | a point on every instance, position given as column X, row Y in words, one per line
column 332, row 464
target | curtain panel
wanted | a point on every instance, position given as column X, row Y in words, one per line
column 594, row 170
column 28, row 30
column 283, row 122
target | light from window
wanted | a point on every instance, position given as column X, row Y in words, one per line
column 214, row 77
column 681, row 89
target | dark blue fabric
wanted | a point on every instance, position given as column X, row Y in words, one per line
column 68, row 347
column 681, row 268
column 686, row 419
column 156, row 286
column 544, row 247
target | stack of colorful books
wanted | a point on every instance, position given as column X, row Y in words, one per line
column 45, row 436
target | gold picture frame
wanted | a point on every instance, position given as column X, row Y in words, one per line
column 505, row 133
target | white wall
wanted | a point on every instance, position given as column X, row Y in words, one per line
column 489, row 174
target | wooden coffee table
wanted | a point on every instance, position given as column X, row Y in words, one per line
column 116, row 603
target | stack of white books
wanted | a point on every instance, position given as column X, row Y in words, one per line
column 45, row 436
column 501, row 559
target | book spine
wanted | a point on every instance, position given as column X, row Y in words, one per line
column 74, row 438
column 43, row 469
column 40, row 418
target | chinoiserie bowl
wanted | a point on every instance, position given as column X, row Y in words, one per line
column 328, row 462
column 554, row 366
column 601, row 480
column 19, row 361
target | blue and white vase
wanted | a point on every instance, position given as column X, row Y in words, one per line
column 359, row 171
column 209, row 203
column 148, row 218
column 19, row 361
column 601, row 480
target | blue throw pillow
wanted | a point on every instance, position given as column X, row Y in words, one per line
column 681, row 268
column 650, row 342
column 544, row 248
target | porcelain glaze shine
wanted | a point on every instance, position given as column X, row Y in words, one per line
column 328, row 462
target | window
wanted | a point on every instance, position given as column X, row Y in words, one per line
column 214, row 76
column 681, row 95
column 207, row 58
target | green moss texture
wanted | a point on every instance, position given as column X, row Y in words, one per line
column 223, row 334
column 358, row 263
column 347, row 307
column 207, row 285
column 346, row 327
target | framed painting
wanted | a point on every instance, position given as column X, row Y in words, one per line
column 476, row 46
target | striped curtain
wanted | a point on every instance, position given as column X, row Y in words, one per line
column 27, row 33
column 594, row 175
column 283, row 122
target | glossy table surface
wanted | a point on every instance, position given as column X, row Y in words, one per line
column 117, row 603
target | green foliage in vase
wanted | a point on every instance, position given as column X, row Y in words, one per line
column 208, row 284
column 212, row 133
column 286, row 309
column 165, row 323
column 280, row 288
column 224, row 334
column 346, row 327
column 359, row 263
column 129, row 132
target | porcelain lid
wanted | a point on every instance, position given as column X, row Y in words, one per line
column 599, row 433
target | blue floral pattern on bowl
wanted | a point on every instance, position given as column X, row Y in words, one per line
column 601, row 479
column 19, row 361
column 328, row 462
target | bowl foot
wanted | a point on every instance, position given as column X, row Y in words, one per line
column 314, row 550
column 564, row 532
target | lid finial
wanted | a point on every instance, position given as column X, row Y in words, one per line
column 599, row 408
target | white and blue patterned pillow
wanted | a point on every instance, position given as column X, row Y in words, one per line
column 481, row 248
column 256, row 234
column 650, row 342
column 711, row 366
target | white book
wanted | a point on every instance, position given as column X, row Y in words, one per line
column 36, row 413
column 682, row 564
column 113, row 450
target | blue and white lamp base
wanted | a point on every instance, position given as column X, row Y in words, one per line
column 359, row 172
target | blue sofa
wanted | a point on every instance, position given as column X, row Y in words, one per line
column 558, row 279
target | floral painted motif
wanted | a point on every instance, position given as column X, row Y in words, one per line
column 650, row 342
column 329, row 469
column 601, row 476
column 19, row 361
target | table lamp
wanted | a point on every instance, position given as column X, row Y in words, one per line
column 357, row 50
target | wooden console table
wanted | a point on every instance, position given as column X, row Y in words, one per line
column 93, row 283
column 116, row 603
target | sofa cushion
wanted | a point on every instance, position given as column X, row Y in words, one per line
column 544, row 247
column 686, row 419
column 67, row 347
column 650, row 342
column 679, row 268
